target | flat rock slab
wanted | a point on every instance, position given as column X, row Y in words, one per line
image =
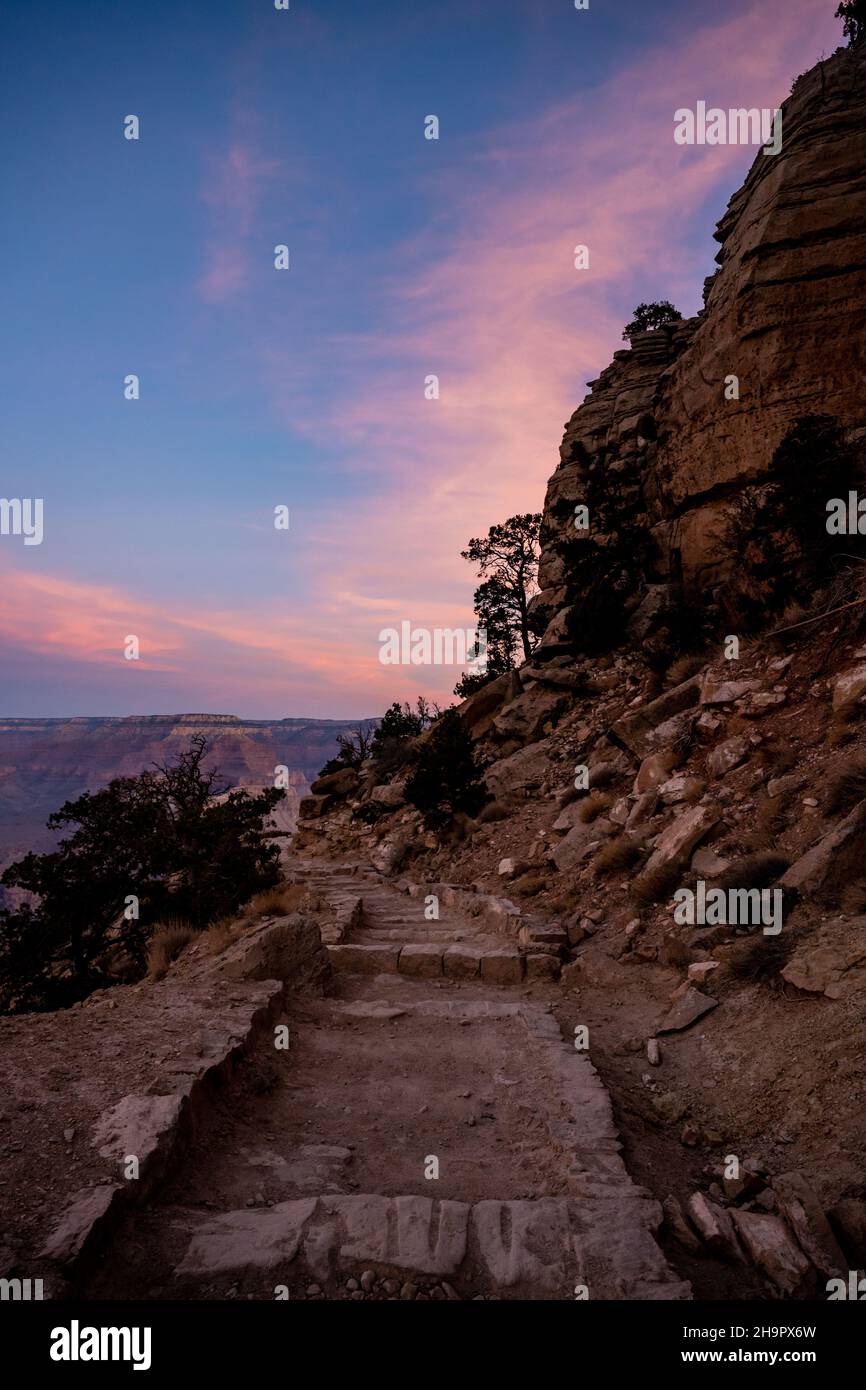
column 686, row 1011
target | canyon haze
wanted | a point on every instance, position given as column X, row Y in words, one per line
column 45, row 762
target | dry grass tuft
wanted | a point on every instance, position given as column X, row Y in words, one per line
column 656, row 885
column 757, row 870
column 529, row 884
column 845, row 786
column 166, row 943
column 593, row 806
column 684, row 668
column 619, row 853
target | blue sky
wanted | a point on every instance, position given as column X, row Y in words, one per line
column 303, row 387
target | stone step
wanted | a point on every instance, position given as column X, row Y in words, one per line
column 540, row 1248
column 428, row 960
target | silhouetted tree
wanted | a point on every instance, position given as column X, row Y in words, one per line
column 507, row 558
column 650, row 316
column 853, row 12
column 446, row 778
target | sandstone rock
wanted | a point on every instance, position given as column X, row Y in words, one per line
column 700, row 969
column 772, row 1248
column 507, row 868
column 832, row 961
column 805, row 1216
column 793, row 251
column 728, row 755
column 389, row 794
column 524, row 718
column 707, row 864
column 365, row 960
column 640, row 732
column 389, row 855
column 340, row 783
column 677, row 1224
column 686, row 1011
column 850, row 687
column 716, row 692
column 679, row 789
column 655, row 771
column 714, row 1226
column 462, row 961
column 423, row 961
column 88, row 1209
column 676, row 844
column 478, row 710
column 541, row 966
column 579, row 843
column 848, row 1220
column 502, row 968
column 312, row 807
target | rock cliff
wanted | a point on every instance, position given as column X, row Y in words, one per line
column 665, row 442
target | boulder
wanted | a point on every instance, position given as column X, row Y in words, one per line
column 714, row 1226
column 389, row 794
column 831, row 962
column 676, row 844
column 848, row 1220
column 841, row 850
column 340, row 783
column 655, row 770
column 716, row 692
column 850, row 687
column 312, row 807
column 686, row 1010
column 806, row 1217
column 728, row 755
column 524, row 719
column 773, row 1249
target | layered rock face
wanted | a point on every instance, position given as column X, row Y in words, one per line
column 658, row 451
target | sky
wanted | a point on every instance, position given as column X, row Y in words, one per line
column 304, row 387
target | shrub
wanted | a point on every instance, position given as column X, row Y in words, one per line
column 446, row 777
column 763, row 958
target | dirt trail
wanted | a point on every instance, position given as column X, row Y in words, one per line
column 422, row 1136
